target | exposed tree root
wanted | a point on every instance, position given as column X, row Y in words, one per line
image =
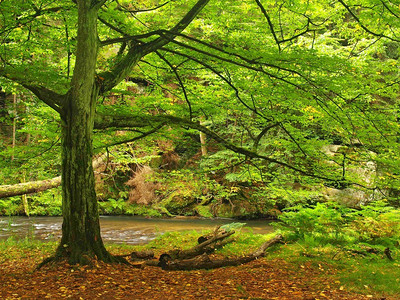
column 82, row 259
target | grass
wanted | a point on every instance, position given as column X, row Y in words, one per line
column 374, row 273
column 355, row 272
column 28, row 248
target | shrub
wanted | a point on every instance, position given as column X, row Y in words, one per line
column 323, row 223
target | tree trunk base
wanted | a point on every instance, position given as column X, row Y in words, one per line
column 81, row 258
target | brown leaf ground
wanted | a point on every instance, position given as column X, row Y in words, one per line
column 260, row 279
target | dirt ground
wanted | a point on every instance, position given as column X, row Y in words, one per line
column 260, row 279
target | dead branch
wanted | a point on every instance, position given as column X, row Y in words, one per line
column 204, row 262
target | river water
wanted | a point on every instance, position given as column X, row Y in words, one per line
column 118, row 229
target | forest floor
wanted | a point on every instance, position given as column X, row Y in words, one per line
column 261, row 279
column 289, row 271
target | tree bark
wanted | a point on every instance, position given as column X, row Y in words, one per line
column 81, row 238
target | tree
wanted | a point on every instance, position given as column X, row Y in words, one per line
column 269, row 65
column 81, row 229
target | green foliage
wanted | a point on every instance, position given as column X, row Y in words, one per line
column 47, row 203
column 377, row 223
column 330, row 223
column 366, row 274
column 244, row 243
column 232, row 226
column 372, row 273
column 333, row 83
column 203, row 211
column 121, row 207
column 11, row 206
column 172, row 240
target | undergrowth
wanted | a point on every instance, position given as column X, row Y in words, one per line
column 351, row 268
column 356, row 242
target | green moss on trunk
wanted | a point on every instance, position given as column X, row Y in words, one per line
column 81, row 228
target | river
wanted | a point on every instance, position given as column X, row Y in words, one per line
column 118, row 229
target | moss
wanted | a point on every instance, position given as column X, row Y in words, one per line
column 237, row 209
column 203, row 211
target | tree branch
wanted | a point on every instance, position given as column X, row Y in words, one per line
column 178, row 28
column 51, row 98
column 363, row 26
column 173, row 120
column 271, row 26
column 109, row 25
column 25, row 20
column 39, row 185
column 180, row 82
column 262, row 133
column 142, row 10
column 154, row 130
column 123, row 68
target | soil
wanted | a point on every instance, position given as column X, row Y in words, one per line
column 260, row 279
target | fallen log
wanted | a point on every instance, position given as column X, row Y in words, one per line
column 204, row 262
column 37, row 186
column 207, row 246
column 141, row 255
column 29, row 187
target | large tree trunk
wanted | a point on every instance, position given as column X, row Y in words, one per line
column 81, row 228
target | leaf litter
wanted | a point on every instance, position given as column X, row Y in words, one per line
column 260, row 279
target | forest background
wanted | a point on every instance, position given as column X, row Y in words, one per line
column 248, row 109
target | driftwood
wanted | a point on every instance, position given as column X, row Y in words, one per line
column 204, row 262
column 29, row 187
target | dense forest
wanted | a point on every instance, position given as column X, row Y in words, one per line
column 243, row 109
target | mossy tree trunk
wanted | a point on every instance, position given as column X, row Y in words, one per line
column 81, row 229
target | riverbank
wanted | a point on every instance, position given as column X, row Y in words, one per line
column 119, row 229
column 291, row 271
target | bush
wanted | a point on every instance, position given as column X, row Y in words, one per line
column 331, row 223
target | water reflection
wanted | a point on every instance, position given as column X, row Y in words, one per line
column 115, row 229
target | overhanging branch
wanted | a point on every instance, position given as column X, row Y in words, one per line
column 185, row 123
column 51, row 98
column 143, row 135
